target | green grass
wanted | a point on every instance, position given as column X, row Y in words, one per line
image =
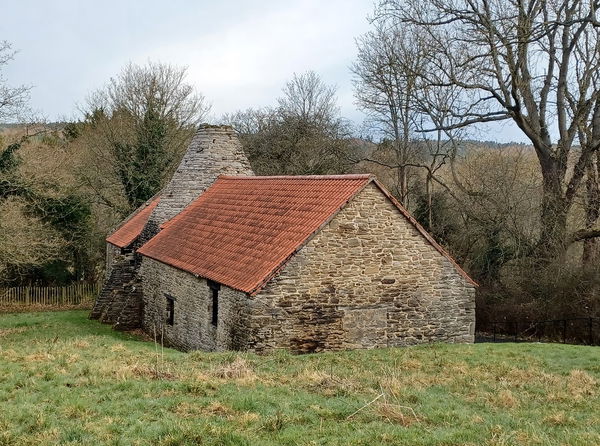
column 67, row 380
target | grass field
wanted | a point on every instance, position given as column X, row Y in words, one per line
column 67, row 380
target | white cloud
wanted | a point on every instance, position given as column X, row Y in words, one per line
column 246, row 62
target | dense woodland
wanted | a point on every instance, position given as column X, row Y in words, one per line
column 523, row 219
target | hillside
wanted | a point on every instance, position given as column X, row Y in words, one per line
column 68, row 380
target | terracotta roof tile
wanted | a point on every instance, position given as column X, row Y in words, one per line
column 243, row 229
column 132, row 227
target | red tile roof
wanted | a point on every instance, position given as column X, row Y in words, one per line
column 132, row 227
column 242, row 230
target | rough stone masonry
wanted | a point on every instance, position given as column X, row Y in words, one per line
column 368, row 278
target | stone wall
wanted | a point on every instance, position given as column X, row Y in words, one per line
column 120, row 300
column 192, row 328
column 112, row 252
column 106, row 295
column 368, row 279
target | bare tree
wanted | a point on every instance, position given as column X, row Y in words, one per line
column 303, row 134
column 307, row 98
column 13, row 100
column 535, row 62
column 385, row 83
column 137, row 127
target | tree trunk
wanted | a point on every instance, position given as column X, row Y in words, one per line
column 591, row 247
column 429, row 192
column 553, row 217
column 403, row 186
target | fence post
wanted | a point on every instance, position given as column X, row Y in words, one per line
column 494, row 332
column 564, row 331
column 516, row 330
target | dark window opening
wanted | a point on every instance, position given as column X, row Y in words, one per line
column 214, row 287
column 170, row 310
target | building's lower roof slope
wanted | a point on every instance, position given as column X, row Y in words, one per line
column 242, row 230
column 130, row 230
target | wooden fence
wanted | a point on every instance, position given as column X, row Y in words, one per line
column 79, row 294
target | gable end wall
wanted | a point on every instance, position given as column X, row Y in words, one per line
column 368, row 279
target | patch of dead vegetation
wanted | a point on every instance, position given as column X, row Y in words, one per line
column 145, row 371
column 327, row 383
column 10, row 331
column 505, row 399
column 9, row 355
column 396, row 414
column 410, row 364
column 559, row 419
column 81, row 343
column 39, row 356
column 519, row 378
column 117, row 348
column 527, row 438
column 79, row 412
column 219, row 409
column 581, row 384
column 39, row 308
column 191, row 409
column 575, row 387
column 141, row 371
column 398, row 384
column 186, row 409
column 239, row 370
column 390, row 411
column 477, row 419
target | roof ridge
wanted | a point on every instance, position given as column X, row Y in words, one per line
column 350, row 176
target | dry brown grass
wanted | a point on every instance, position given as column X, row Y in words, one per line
column 124, row 372
column 188, row 409
column 558, row 419
column 36, row 308
column 238, row 369
column 81, row 343
column 10, row 331
column 506, row 400
column 118, row 348
column 326, row 383
column 394, row 413
column 40, row 356
column 219, row 409
column 581, row 384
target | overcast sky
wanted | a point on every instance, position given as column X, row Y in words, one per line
column 238, row 53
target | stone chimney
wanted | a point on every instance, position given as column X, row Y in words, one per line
column 214, row 150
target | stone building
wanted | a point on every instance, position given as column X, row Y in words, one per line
column 225, row 260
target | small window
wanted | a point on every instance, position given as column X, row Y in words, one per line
column 170, row 310
column 214, row 288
